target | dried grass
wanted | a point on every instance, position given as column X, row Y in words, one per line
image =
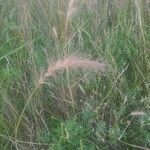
column 91, row 5
column 137, row 113
column 72, row 9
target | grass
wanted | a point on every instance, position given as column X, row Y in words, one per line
column 74, row 74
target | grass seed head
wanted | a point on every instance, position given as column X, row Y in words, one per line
column 74, row 62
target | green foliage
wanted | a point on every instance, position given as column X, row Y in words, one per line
column 69, row 134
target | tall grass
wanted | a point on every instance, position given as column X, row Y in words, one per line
column 84, row 106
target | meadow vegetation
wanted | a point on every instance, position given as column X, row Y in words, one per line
column 74, row 74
